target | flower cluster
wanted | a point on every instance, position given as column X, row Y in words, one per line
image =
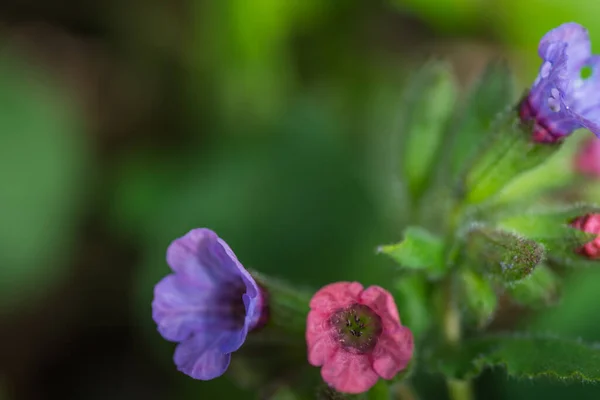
column 562, row 99
column 210, row 302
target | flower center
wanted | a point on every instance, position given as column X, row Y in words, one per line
column 229, row 308
column 357, row 328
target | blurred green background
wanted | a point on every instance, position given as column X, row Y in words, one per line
column 124, row 124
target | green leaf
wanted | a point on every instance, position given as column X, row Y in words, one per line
column 541, row 288
column 524, row 357
column 508, row 153
column 420, row 250
column 492, row 94
column 504, row 255
column 479, row 296
column 429, row 102
column 412, row 297
column 556, row 173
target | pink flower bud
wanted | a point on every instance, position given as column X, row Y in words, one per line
column 591, row 224
column 587, row 160
column 356, row 336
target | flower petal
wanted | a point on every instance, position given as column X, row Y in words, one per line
column 319, row 339
column 578, row 48
column 335, row 296
column 380, row 301
column 349, row 373
column 393, row 352
column 181, row 309
column 202, row 258
column 200, row 358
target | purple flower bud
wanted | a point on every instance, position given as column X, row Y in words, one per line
column 208, row 304
column 561, row 100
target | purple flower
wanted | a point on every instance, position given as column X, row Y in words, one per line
column 561, row 99
column 208, row 304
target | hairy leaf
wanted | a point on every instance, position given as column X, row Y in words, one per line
column 524, row 356
column 508, row 153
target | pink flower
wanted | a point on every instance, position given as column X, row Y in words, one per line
column 591, row 224
column 587, row 160
column 356, row 336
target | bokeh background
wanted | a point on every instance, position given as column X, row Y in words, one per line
column 123, row 124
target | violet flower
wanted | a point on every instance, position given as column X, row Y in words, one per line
column 208, row 304
column 561, row 100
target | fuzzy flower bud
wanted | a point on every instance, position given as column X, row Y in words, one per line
column 561, row 99
column 356, row 336
column 591, row 224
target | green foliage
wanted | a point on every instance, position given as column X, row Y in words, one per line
column 524, row 356
column 501, row 254
column 420, row 250
column 479, row 296
column 43, row 165
column 554, row 174
column 541, row 288
column 430, row 99
column 381, row 391
column 411, row 292
column 508, row 152
column 492, row 93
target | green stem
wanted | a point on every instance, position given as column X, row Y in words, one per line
column 457, row 389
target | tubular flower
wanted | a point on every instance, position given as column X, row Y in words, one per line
column 356, row 337
column 208, row 304
column 591, row 224
column 562, row 99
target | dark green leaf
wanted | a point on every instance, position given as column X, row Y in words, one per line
column 502, row 254
column 525, row 357
column 508, row 153
column 429, row 102
column 420, row 250
column 539, row 289
column 479, row 296
column 492, row 94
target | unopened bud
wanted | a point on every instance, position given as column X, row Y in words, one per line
column 589, row 223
